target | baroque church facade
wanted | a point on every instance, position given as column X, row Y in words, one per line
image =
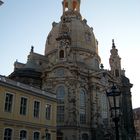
column 71, row 68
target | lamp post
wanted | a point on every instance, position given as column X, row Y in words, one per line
column 113, row 97
column 1, row 2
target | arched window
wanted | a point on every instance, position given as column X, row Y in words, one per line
column 8, row 134
column 36, row 135
column 61, row 54
column 82, row 99
column 82, row 107
column 23, row 134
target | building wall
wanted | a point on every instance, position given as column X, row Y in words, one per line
column 27, row 122
column 137, row 122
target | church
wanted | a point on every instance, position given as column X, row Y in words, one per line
column 72, row 78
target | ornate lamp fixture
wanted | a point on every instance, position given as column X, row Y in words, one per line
column 113, row 98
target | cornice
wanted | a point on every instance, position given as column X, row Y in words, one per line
column 26, row 88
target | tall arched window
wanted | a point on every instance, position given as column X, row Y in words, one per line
column 23, row 134
column 60, row 94
column 8, row 134
column 61, row 54
column 82, row 107
column 82, row 98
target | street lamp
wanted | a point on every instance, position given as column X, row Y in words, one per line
column 1, row 2
column 113, row 97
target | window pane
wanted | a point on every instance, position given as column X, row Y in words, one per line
column 60, row 93
column 36, row 135
column 60, row 113
column 48, row 111
column 23, row 106
column 60, row 106
column 82, row 107
column 61, row 54
column 8, row 134
column 36, row 109
column 82, row 118
column 23, row 135
column 8, row 102
column 82, row 99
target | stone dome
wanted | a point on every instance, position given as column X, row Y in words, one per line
column 80, row 33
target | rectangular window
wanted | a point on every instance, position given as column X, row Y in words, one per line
column 8, row 102
column 60, row 113
column 82, row 116
column 23, row 106
column 48, row 112
column 36, row 109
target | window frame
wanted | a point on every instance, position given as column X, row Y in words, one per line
column 61, row 54
column 82, row 107
column 60, row 98
column 48, row 117
column 11, row 133
column 12, row 104
column 22, row 106
column 36, row 132
column 37, row 117
column 60, row 102
column 82, row 98
column 61, row 114
column 26, row 134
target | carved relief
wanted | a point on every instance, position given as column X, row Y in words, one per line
column 72, row 110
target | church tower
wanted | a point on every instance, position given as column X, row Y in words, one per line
column 71, row 69
column 72, row 52
column 115, row 61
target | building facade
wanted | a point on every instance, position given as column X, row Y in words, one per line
column 136, row 112
column 26, row 113
column 71, row 68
